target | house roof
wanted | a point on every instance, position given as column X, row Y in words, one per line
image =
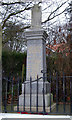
column 60, row 47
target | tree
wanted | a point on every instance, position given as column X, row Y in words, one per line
column 12, row 63
column 13, row 37
column 17, row 12
column 17, row 9
column 58, row 57
column 69, row 37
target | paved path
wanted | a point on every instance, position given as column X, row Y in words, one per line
column 5, row 116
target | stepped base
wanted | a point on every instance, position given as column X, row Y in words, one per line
column 34, row 87
column 34, row 98
column 40, row 109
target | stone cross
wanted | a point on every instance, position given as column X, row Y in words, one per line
column 36, row 17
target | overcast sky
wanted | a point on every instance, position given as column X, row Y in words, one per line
column 45, row 12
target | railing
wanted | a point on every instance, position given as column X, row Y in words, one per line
column 61, row 88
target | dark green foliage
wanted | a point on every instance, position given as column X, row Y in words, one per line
column 50, row 62
column 12, row 63
column 12, row 66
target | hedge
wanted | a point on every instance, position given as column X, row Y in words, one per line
column 12, row 63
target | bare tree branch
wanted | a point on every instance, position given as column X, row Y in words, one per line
column 47, row 7
column 14, row 13
column 57, row 15
column 54, row 16
column 12, row 3
column 2, row 3
column 26, row 27
column 54, row 12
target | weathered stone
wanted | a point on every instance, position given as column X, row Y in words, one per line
column 36, row 62
column 33, row 100
column 36, row 17
column 40, row 109
column 34, row 87
column 36, row 53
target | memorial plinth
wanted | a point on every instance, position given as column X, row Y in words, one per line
column 36, row 53
column 36, row 62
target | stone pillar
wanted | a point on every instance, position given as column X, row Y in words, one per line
column 0, row 69
column 36, row 45
column 36, row 53
column 36, row 61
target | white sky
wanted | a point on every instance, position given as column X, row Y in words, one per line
column 45, row 13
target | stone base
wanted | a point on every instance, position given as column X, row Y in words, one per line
column 34, row 87
column 40, row 109
column 33, row 100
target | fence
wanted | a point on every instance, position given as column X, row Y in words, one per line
column 61, row 88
